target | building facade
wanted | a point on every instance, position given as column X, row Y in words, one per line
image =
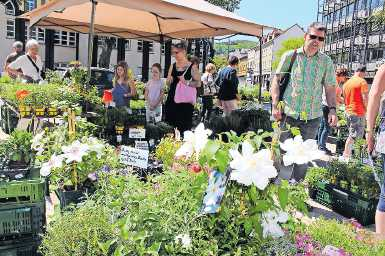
column 271, row 43
column 67, row 47
column 352, row 36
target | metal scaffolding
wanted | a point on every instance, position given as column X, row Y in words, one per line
column 352, row 38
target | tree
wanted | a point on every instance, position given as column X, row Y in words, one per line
column 105, row 55
column 229, row 5
column 219, row 62
column 289, row 44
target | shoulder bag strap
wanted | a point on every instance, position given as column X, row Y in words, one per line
column 34, row 64
column 293, row 57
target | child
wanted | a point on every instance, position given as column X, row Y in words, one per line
column 154, row 95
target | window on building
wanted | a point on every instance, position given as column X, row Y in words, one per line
column 343, row 13
column 374, row 4
column 9, row 8
column 65, row 38
column 102, row 38
column 140, row 46
column 128, row 45
column 30, row 5
column 362, row 4
column 349, row 10
column 37, row 34
column 10, row 28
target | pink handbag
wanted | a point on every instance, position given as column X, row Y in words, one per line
column 185, row 93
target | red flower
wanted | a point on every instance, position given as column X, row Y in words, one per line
column 107, row 96
column 21, row 94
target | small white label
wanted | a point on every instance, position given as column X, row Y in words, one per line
column 134, row 157
column 119, row 138
column 141, row 144
column 137, row 133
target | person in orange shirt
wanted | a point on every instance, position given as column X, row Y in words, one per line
column 355, row 92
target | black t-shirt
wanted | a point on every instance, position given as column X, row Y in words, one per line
column 228, row 84
column 13, row 56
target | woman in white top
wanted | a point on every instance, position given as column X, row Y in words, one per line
column 209, row 90
column 30, row 64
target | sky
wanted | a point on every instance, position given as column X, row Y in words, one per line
column 279, row 13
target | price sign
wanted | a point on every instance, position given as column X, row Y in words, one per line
column 134, row 157
column 141, row 144
column 137, row 133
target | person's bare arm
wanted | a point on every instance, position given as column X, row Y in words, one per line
column 365, row 99
column 133, row 88
column 169, row 76
column 196, row 77
column 146, row 93
column 330, row 92
column 374, row 98
column 274, row 90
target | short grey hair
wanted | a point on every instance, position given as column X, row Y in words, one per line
column 317, row 26
column 31, row 43
column 17, row 44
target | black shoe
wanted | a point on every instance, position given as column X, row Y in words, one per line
column 327, row 151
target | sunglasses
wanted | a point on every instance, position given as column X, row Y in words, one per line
column 319, row 38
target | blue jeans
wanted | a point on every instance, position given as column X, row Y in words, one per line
column 381, row 199
column 324, row 129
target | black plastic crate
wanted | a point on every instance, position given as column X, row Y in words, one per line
column 352, row 205
column 21, row 248
column 322, row 194
column 21, row 221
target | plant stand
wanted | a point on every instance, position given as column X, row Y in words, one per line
column 67, row 196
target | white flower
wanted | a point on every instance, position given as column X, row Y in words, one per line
column 252, row 168
column 75, row 151
column 299, row 151
column 96, row 146
column 54, row 162
column 194, row 142
column 36, row 145
column 270, row 223
column 185, row 240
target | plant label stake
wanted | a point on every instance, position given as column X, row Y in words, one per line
column 71, row 133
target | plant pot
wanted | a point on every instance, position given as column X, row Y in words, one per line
column 52, row 111
column 119, row 129
column 39, row 111
column 68, row 196
column 25, row 111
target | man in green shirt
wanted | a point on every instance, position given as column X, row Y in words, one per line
column 312, row 72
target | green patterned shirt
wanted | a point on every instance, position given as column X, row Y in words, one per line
column 308, row 77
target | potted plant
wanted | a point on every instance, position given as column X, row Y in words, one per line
column 314, row 176
column 16, row 155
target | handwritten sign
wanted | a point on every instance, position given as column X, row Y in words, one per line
column 137, row 133
column 141, row 144
column 134, row 157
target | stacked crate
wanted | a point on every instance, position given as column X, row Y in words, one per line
column 22, row 216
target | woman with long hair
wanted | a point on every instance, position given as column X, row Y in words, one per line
column 124, row 88
column 180, row 115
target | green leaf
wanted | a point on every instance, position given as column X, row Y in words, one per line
column 211, row 148
column 261, row 205
column 119, row 251
column 223, row 159
column 295, row 131
column 283, row 196
column 253, row 193
column 258, row 141
column 248, row 225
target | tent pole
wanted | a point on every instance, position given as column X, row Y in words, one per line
column 90, row 37
column 260, row 68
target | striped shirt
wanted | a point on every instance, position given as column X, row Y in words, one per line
column 309, row 75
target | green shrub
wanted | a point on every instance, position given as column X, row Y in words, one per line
column 315, row 175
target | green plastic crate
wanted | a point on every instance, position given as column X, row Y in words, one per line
column 322, row 194
column 24, row 191
column 21, row 248
column 21, row 221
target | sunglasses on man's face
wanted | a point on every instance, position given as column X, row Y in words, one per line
column 319, row 38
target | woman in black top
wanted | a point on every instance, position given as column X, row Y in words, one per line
column 180, row 115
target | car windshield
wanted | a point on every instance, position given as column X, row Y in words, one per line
column 99, row 77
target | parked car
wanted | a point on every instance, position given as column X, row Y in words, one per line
column 100, row 77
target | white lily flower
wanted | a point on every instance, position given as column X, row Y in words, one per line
column 54, row 162
column 36, row 145
column 299, row 151
column 194, row 142
column 270, row 223
column 75, row 151
column 252, row 168
column 185, row 240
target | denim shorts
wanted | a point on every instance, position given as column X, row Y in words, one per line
column 356, row 126
column 381, row 200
